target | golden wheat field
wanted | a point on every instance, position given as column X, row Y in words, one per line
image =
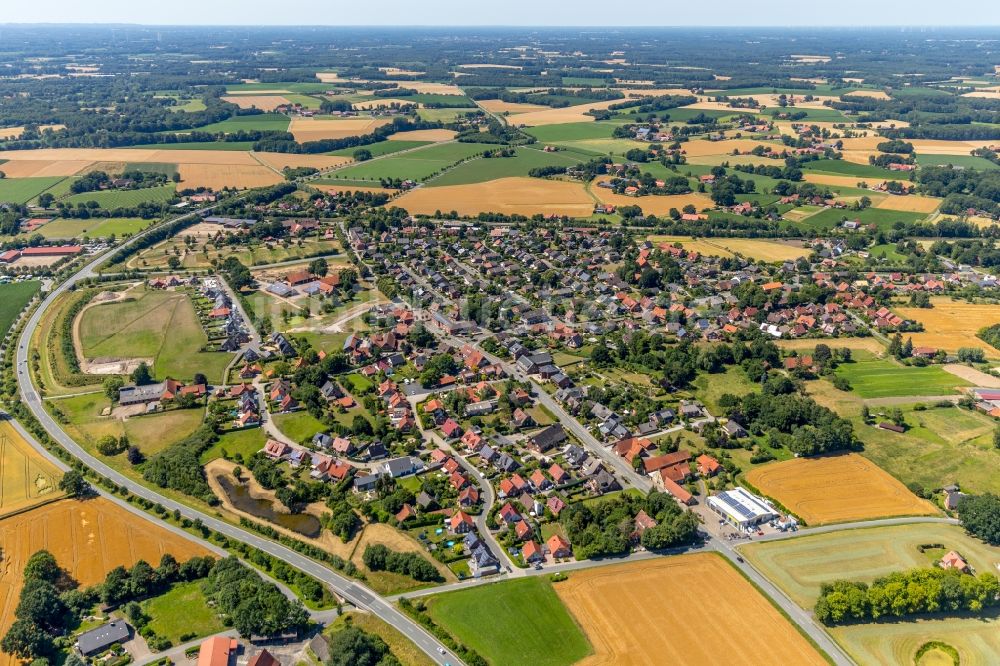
column 764, row 250
column 569, row 114
column 524, row 196
column 262, row 102
column 913, row 203
column 26, row 477
column 950, row 325
column 280, row 161
column 87, row 538
column 218, row 176
column 837, row 489
column 499, row 106
column 315, row 129
column 688, row 609
column 424, row 135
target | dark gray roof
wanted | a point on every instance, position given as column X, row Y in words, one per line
column 103, row 637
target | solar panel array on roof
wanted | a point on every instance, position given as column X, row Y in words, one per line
column 736, row 506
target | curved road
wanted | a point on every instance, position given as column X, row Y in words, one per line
column 353, row 591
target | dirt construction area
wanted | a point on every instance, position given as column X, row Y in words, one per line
column 26, row 478
column 640, row 614
column 87, row 538
column 837, row 489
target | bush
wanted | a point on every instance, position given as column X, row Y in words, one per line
column 378, row 557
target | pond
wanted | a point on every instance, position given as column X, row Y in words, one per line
column 301, row 523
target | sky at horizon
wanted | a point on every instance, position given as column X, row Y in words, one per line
column 577, row 13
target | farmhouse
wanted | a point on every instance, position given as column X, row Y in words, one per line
column 217, row 651
column 100, row 639
column 139, row 395
column 741, row 508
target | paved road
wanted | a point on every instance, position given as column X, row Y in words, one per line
column 354, row 592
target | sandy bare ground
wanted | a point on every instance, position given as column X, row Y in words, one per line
column 525, row 196
column 424, row 135
column 262, row 102
column 977, row 377
column 314, row 129
column 913, row 203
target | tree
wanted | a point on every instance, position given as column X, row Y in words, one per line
column 980, row 515
column 41, row 605
column 26, row 640
column 174, row 263
column 73, row 484
column 42, row 566
column 353, row 647
column 109, row 445
column 141, row 375
column 362, row 155
column 134, row 455
column 319, row 267
column 112, row 385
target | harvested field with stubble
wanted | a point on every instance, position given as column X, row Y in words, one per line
column 569, row 114
column 837, row 489
column 88, row 538
column 626, row 611
column 727, row 247
column 950, row 325
column 43, row 168
column 262, row 102
column 913, row 203
column 424, row 135
column 280, row 161
column 218, row 176
column 315, row 129
column 26, row 478
column 855, row 344
column 524, row 196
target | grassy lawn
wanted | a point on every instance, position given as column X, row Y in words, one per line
column 244, row 442
column 712, row 387
column 800, row 564
column 97, row 227
column 380, row 148
column 299, row 426
column 418, row 165
column 182, row 611
column 885, row 378
column 538, row 628
column 124, row 198
column 13, row 298
column 23, row 190
column 158, row 325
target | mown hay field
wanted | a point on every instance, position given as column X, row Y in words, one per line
column 26, row 477
column 977, row 641
column 913, row 203
column 262, row 102
column 889, row 379
column 728, row 247
column 837, row 489
column 89, row 539
column 950, row 325
column 625, row 610
column 523, row 196
column 801, row 564
column 433, row 135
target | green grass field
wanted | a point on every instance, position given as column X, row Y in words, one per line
column 262, row 122
column 13, row 298
column 158, row 325
column 817, row 115
column 967, row 161
column 478, row 171
column 418, row 165
column 189, row 106
column 514, row 622
column 842, row 168
column 182, row 611
column 880, row 217
column 23, row 190
column 711, row 387
column 96, row 227
column 572, row 131
column 112, row 199
column 883, row 379
column 800, row 564
column 298, row 426
column 381, row 148
column 245, row 442
column 444, row 115
column 976, row 639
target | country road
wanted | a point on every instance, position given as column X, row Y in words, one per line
column 355, row 592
